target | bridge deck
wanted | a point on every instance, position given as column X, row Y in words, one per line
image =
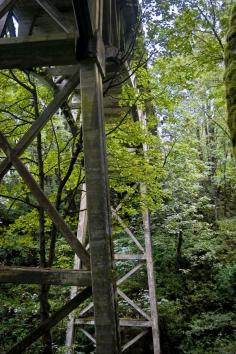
column 27, row 11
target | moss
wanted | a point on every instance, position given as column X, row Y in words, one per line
column 231, row 70
column 233, row 16
column 230, row 77
column 231, row 33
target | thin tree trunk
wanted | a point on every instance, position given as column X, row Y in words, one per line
column 179, row 250
column 44, row 289
column 53, row 236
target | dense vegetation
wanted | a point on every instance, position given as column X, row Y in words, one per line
column 189, row 171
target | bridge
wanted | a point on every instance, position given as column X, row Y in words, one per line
column 85, row 46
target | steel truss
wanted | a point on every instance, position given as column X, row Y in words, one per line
column 87, row 65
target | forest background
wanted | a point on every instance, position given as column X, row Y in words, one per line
column 189, row 172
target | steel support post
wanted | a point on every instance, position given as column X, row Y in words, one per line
column 99, row 221
column 81, row 236
column 149, row 255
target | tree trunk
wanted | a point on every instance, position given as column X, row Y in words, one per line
column 179, row 250
column 44, row 289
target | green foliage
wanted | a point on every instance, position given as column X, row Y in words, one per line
column 194, row 228
column 188, row 171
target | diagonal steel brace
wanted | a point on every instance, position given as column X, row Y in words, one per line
column 44, row 203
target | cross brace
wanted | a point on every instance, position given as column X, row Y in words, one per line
column 123, row 322
column 29, row 275
column 53, row 12
column 6, row 6
column 51, row 322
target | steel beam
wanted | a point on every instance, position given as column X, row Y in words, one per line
column 20, row 347
column 6, row 6
column 53, row 12
column 134, row 340
column 99, row 221
column 36, row 51
column 81, row 236
column 28, row 275
column 123, row 322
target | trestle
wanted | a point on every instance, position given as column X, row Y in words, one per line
column 55, row 34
